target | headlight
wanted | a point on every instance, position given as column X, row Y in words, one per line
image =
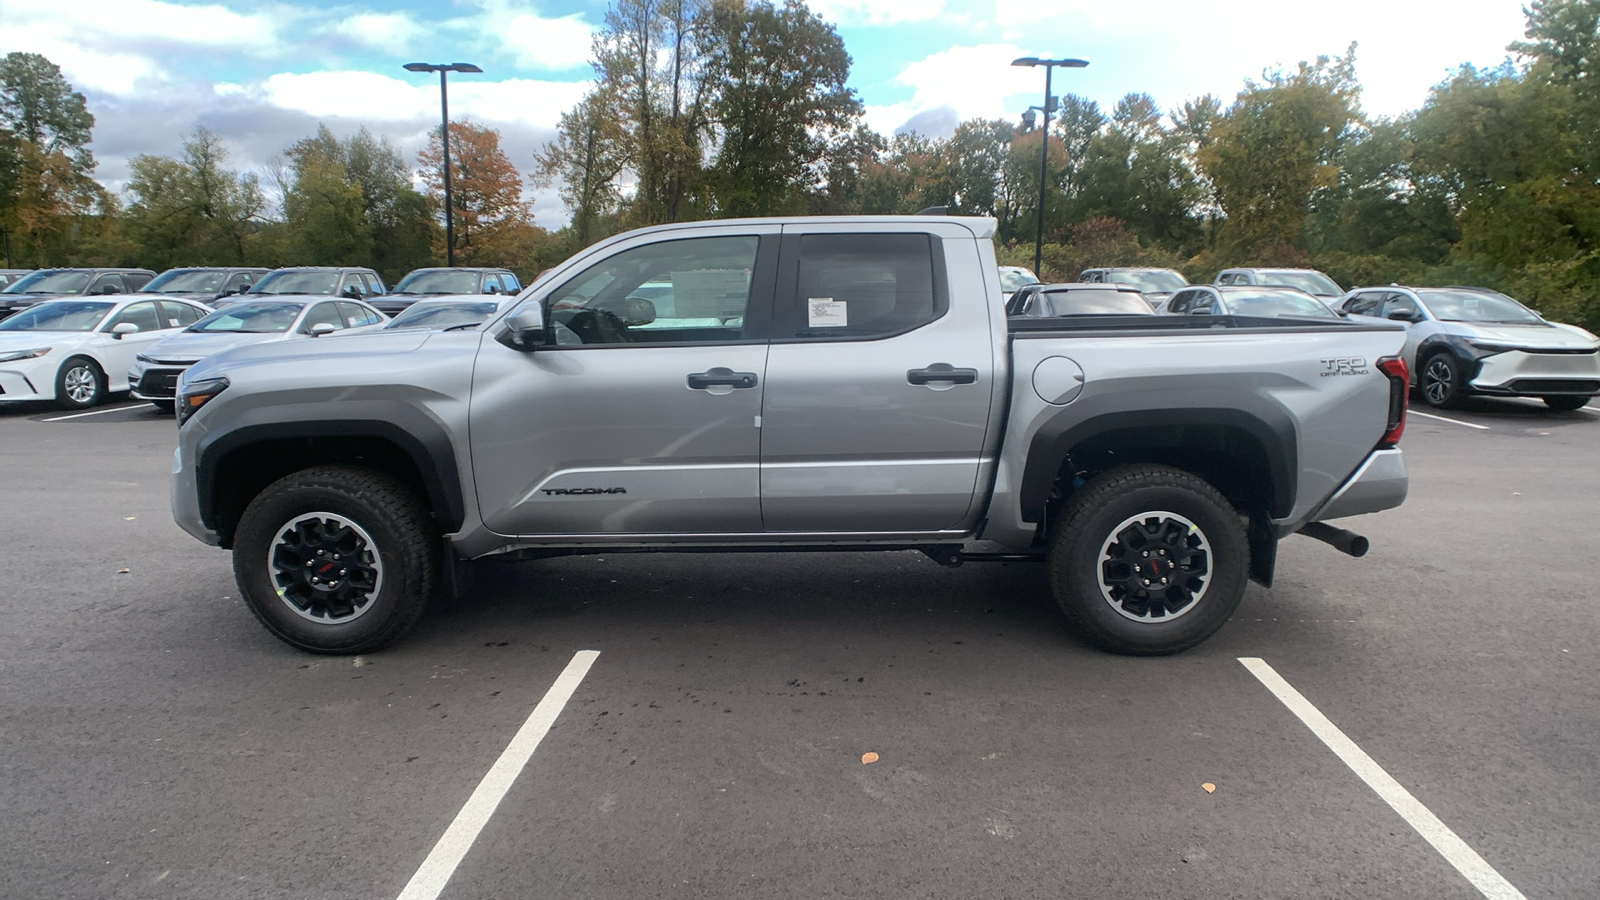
column 1488, row 349
column 144, row 359
column 15, row 355
column 198, row 394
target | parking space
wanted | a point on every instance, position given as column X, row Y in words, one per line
column 160, row 744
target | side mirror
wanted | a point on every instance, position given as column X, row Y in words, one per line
column 109, row 289
column 1403, row 315
column 122, row 328
column 524, row 329
column 353, row 292
column 492, row 289
column 322, row 329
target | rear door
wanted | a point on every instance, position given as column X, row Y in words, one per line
column 879, row 382
column 637, row 417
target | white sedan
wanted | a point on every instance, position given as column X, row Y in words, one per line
column 75, row 351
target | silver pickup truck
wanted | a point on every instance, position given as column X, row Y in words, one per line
column 816, row 383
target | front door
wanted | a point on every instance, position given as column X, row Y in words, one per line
column 878, row 386
column 641, row 414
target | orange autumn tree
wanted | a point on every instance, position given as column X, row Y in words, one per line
column 493, row 224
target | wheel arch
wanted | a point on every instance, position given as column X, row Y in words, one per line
column 1250, row 457
column 233, row 466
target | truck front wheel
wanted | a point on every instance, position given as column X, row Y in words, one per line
column 337, row 559
column 1148, row 560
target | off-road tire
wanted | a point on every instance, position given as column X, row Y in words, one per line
column 403, row 539
column 72, row 370
column 1105, row 506
column 1441, row 381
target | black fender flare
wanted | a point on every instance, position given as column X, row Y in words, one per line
column 1267, row 423
column 418, row 434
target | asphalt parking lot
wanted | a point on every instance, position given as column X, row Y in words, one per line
column 156, row 742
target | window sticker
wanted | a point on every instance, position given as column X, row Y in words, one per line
column 826, row 312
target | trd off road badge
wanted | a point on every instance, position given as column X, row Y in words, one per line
column 1345, row 365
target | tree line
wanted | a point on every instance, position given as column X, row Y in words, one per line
column 706, row 109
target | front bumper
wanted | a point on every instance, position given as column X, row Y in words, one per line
column 1530, row 373
column 155, row 381
column 1380, row 483
column 185, row 496
column 31, row 379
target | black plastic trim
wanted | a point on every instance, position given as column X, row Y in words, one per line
column 418, row 435
column 1054, row 440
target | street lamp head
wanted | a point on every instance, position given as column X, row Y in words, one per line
column 418, row 67
column 469, row 67
column 1029, row 117
column 1070, row 63
column 441, row 67
column 1029, row 61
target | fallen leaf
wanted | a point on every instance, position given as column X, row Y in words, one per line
column 128, row 518
column 123, row 571
column 1209, row 788
column 868, row 758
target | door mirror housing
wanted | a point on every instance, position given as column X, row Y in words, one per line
column 523, row 330
column 122, row 328
column 322, row 329
column 1404, row 315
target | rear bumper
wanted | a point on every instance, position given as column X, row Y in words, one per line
column 1380, row 483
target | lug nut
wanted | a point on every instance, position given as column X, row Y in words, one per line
column 1146, row 582
column 336, row 556
column 315, row 581
column 308, row 563
column 320, row 553
column 1163, row 581
column 342, row 572
column 1145, row 554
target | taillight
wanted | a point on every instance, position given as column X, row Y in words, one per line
column 1399, row 390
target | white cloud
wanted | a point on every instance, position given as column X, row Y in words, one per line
column 144, row 19
column 369, row 95
column 381, row 31
column 974, row 81
column 877, row 12
column 542, row 43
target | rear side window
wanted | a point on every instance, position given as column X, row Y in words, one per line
column 357, row 315
column 141, row 314
column 863, row 285
column 510, row 281
column 179, row 315
column 322, row 313
column 374, row 285
column 1364, row 304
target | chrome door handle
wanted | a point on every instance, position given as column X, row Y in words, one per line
column 942, row 372
column 721, row 377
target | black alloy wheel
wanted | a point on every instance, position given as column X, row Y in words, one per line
column 1442, row 381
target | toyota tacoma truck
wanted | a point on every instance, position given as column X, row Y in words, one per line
column 790, row 384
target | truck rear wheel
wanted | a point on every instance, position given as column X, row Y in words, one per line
column 337, row 559
column 1148, row 560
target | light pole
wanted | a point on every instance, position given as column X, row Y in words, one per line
column 1044, row 145
column 444, row 139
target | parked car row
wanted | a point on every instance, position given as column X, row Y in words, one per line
column 76, row 349
column 218, row 286
column 1460, row 341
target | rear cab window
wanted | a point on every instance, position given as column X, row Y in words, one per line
column 859, row 286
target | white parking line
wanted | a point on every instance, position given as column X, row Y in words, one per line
column 457, row 840
column 1413, row 412
column 1455, row 851
column 98, row 412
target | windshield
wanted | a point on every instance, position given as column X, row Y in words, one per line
column 438, row 282
column 290, row 282
column 63, row 315
column 1477, row 306
column 250, row 318
column 443, row 315
column 1274, row 303
column 180, row 281
column 1308, row 281
column 1150, row 281
column 50, row 283
column 1097, row 302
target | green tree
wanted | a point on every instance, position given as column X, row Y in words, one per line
column 49, row 199
column 782, row 98
column 589, row 152
column 493, row 224
column 1275, row 148
column 193, row 210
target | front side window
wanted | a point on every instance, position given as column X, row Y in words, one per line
column 1204, row 304
column 142, row 314
column 109, row 284
column 239, row 280
column 691, row 290
column 862, row 285
column 1396, row 302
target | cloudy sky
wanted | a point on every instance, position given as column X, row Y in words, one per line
column 263, row 74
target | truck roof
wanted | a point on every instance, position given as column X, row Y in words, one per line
column 982, row 227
